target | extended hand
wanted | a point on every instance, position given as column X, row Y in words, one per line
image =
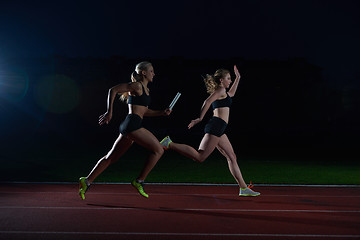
column 194, row 122
column 105, row 118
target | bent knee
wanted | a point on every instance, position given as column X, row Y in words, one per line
column 199, row 159
column 159, row 151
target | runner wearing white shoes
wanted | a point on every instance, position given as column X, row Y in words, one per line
column 214, row 137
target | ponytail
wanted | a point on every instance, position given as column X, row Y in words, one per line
column 212, row 82
column 136, row 76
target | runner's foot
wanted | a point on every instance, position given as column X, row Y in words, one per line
column 166, row 142
column 139, row 186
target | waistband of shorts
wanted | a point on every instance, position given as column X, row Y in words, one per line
column 218, row 119
column 134, row 115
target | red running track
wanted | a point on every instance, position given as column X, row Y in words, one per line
column 55, row 211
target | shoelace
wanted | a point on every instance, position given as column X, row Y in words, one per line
column 250, row 186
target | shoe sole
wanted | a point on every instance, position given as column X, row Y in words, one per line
column 249, row 195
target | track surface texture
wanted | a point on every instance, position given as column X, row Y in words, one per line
column 117, row 211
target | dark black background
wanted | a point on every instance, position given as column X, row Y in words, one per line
column 298, row 95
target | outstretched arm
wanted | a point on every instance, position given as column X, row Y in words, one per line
column 234, row 87
column 118, row 89
column 205, row 107
column 155, row 113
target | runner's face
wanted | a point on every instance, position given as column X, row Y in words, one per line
column 226, row 81
column 149, row 74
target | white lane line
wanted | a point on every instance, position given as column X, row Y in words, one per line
column 183, row 194
column 194, row 184
column 184, row 234
column 184, row 209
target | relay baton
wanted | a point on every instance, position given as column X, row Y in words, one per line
column 174, row 100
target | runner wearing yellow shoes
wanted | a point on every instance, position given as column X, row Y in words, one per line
column 136, row 93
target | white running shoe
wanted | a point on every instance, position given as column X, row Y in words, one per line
column 166, row 142
column 247, row 192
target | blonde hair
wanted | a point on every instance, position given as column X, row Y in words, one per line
column 212, row 82
column 136, row 76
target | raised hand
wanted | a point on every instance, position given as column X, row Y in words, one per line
column 237, row 74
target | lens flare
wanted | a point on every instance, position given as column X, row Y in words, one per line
column 14, row 84
column 57, row 94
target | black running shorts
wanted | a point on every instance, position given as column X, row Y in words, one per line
column 216, row 126
column 131, row 123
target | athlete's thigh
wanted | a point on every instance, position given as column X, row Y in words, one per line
column 208, row 144
column 146, row 139
column 225, row 147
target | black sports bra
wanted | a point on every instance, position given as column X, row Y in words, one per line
column 226, row 102
column 143, row 100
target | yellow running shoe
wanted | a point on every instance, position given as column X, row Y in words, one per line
column 83, row 187
column 139, row 187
